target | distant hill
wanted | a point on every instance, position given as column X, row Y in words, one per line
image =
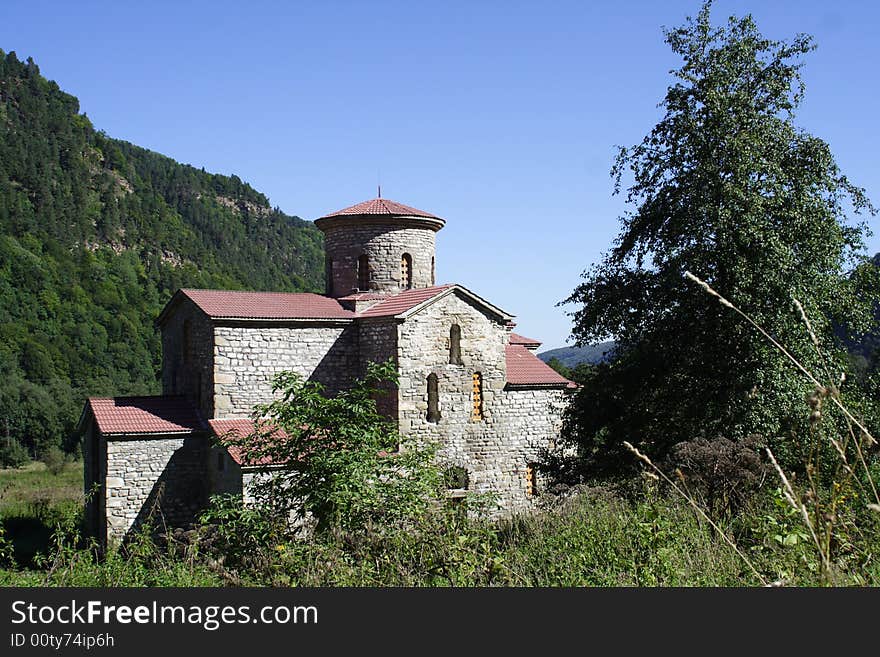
column 574, row 356
column 95, row 236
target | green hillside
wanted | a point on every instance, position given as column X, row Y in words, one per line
column 95, row 235
column 574, row 356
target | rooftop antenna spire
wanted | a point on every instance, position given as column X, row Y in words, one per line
column 379, row 181
column 380, row 191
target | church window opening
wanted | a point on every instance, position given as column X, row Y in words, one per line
column 457, row 482
column 406, row 271
column 364, row 272
column 433, row 398
column 477, row 396
column 531, row 480
column 455, row 345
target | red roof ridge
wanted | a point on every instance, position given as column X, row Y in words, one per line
column 381, row 206
column 404, row 301
column 516, row 338
column 524, row 368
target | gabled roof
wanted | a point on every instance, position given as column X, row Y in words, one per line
column 412, row 301
column 381, row 206
column 402, row 302
column 525, row 369
column 231, row 304
column 516, row 338
column 240, row 428
column 145, row 415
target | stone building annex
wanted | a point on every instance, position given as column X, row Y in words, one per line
column 466, row 380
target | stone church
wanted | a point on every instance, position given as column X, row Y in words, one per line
column 465, row 379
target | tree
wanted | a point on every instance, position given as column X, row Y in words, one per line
column 348, row 466
column 727, row 187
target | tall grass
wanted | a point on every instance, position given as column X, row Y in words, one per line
column 839, row 505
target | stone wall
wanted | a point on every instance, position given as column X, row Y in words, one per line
column 189, row 370
column 246, row 358
column 384, row 244
column 377, row 339
column 533, row 424
column 517, row 424
column 160, row 477
column 423, row 350
column 224, row 474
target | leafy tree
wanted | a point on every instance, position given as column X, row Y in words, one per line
column 727, row 187
column 561, row 368
column 349, row 467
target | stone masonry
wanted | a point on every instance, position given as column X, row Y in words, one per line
column 246, row 358
column 162, row 477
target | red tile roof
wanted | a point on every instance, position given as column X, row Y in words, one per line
column 381, row 206
column 240, row 428
column 125, row 415
column 516, row 338
column 400, row 303
column 525, row 369
column 222, row 304
column 364, row 296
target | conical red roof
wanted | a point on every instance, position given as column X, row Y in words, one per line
column 382, row 206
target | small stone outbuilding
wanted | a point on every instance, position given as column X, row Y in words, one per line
column 465, row 379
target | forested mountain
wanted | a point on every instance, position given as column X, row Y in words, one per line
column 574, row 356
column 95, row 236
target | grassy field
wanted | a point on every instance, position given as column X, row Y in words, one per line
column 32, row 499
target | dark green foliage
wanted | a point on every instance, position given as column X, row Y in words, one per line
column 95, row 236
column 578, row 373
column 727, row 187
column 12, row 453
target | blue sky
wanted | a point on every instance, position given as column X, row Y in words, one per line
column 501, row 117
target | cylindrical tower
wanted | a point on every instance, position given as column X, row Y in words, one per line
column 378, row 246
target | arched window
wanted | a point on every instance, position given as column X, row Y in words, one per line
column 364, row 272
column 456, row 477
column 531, row 480
column 455, row 345
column 477, row 397
column 406, row 271
column 329, row 277
column 433, row 276
column 433, row 398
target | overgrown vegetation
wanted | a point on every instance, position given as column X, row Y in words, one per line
column 95, row 236
column 347, row 465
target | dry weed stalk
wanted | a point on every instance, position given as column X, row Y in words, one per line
column 830, row 391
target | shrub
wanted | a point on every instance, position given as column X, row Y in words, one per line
column 12, row 453
column 723, row 472
column 54, row 459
